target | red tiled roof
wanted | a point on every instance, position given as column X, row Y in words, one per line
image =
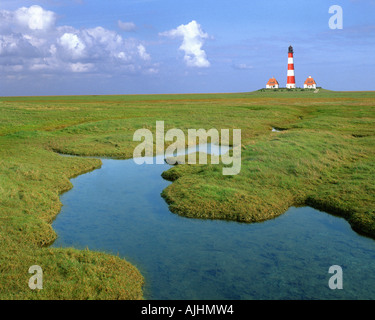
column 272, row 82
column 310, row 81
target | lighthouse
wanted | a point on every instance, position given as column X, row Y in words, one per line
column 291, row 80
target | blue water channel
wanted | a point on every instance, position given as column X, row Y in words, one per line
column 118, row 209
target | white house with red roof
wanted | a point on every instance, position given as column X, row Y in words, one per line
column 309, row 83
column 272, row 84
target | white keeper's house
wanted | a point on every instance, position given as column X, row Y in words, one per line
column 309, row 83
column 272, row 84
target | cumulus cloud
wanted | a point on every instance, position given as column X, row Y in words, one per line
column 35, row 18
column 142, row 52
column 29, row 37
column 72, row 44
column 193, row 40
column 13, row 45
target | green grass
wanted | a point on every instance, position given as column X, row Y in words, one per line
column 325, row 159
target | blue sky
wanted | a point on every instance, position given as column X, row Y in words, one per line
column 54, row 47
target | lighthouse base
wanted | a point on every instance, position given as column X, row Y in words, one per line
column 290, row 86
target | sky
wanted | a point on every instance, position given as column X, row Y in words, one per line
column 54, row 47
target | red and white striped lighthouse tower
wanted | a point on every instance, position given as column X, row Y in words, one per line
column 291, row 80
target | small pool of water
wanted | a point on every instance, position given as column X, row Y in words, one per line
column 118, row 209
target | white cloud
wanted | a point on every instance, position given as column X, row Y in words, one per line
column 13, row 45
column 193, row 40
column 126, row 26
column 35, row 18
column 73, row 45
column 30, row 38
column 123, row 56
column 142, row 52
column 81, row 67
column 152, row 71
column 242, row 66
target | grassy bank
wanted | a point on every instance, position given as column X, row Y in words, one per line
column 325, row 159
